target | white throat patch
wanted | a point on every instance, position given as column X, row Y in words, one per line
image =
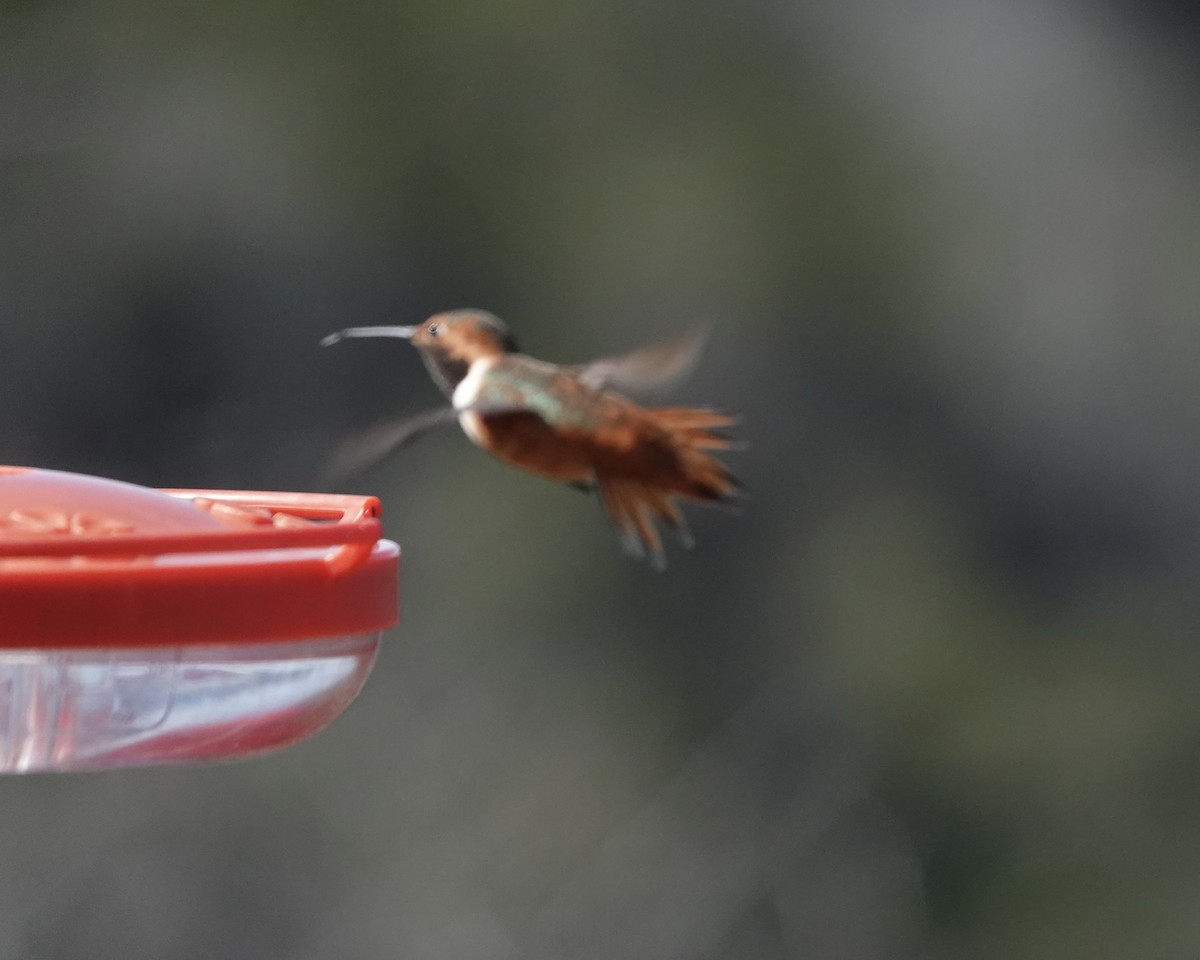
column 467, row 391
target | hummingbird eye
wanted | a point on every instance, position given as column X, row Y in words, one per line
column 435, row 329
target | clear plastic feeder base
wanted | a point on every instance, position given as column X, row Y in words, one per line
column 88, row 709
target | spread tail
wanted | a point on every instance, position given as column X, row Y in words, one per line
column 693, row 431
column 635, row 504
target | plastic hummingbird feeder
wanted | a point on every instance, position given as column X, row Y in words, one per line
column 142, row 626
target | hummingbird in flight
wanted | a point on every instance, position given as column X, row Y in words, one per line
column 572, row 424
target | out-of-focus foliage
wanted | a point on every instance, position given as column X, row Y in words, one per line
column 931, row 694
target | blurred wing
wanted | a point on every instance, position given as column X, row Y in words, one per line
column 375, row 443
column 650, row 368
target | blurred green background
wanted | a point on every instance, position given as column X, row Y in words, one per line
column 932, row 694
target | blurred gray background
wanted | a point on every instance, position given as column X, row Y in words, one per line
column 932, row 694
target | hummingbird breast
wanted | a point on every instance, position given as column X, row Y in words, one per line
column 538, row 417
column 620, row 442
column 543, row 420
column 529, row 414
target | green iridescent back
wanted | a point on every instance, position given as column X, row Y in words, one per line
column 518, row 382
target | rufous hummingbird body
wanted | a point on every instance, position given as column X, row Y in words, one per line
column 567, row 423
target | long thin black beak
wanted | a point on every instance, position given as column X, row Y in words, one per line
column 404, row 333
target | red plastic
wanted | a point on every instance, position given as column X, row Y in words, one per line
column 87, row 562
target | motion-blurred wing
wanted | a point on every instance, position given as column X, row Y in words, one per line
column 650, row 368
column 375, row 443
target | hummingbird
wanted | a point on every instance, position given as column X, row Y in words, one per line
column 567, row 423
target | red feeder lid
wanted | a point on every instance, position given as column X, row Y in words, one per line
column 88, row 562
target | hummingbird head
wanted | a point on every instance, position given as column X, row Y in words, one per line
column 467, row 335
column 448, row 342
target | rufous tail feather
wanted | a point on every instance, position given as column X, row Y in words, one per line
column 635, row 505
